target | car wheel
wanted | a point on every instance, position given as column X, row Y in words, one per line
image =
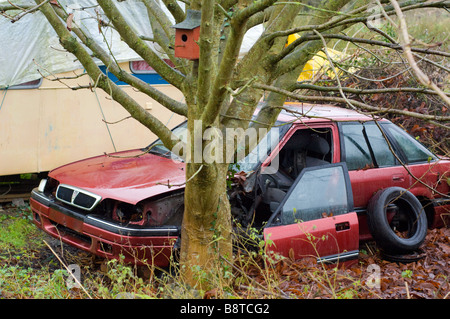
column 397, row 220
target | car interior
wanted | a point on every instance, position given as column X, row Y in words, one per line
column 305, row 148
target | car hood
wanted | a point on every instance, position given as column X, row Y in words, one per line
column 126, row 176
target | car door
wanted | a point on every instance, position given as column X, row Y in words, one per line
column 316, row 217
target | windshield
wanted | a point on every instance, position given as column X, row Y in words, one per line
column 157, row 147
column 241, row 163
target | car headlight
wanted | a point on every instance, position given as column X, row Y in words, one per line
column 42, row 185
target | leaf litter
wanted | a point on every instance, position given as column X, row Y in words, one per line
column 426, row 278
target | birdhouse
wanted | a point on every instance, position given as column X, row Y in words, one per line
column 187, row 34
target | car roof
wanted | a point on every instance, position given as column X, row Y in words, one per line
column 305, row 112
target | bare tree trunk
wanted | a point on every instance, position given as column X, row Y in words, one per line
column 206, row 229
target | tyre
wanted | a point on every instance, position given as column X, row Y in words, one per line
column 397, row 220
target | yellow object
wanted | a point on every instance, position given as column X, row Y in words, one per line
column 318, row 63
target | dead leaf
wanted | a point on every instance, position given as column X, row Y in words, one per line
column 70, row 22
column 55, row 3
column 445, row 248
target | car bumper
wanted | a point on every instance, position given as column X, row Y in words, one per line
column 103, row 237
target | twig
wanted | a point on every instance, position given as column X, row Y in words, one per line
column 147, row 150
column 241, row 89
column 334, row 70
column 357, row 91
column 19, row 16
column 262, row 289
column 406, row 45
column 308, row 98
column 181, row 184
column 419, row 180
column 68, row 270
column 118, row 121
column 407, row 290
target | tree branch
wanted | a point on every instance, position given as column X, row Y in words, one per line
column 26, row 10
column 395, row 46
column 175, row 9
column 406, row 6
column 243, row 104
column 101, row 80
column 302, row 51
column 257, row 6
column 132, row 39
column 121, row 75
column 163, row 35
column 406, row 45
column 206, row 65
column 305, row 86
column 229, row 59
column 363, row 106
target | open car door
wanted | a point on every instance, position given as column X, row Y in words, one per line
column 316, row 217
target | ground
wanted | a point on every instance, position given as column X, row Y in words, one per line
column 32, row 266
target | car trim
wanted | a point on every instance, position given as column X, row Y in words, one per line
column 96, row 221
column 344, row 256
column 40, row 197
column 132, row 231
column 363, row 210
column 76, row 192
column 442, row 201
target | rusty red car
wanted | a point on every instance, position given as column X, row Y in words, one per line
column 343, row 178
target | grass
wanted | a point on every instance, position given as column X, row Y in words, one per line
column 29, row 269
column 426, row 26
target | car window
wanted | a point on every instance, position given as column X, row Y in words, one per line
column 381, row 151
column 365, row 146
column 357, row 153
column 318, row 193
column 411, row 148
column 158, row 147
column 267, row 145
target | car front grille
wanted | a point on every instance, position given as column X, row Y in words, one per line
column 77, row 197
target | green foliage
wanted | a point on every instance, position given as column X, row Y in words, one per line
column 257, row 272
column 407, row 273
column 17, row 231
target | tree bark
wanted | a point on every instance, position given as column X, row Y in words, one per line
column 206, row 228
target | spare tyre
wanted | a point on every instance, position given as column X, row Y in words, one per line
column 396, row 220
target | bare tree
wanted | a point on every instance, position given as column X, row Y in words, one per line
column 222, row 89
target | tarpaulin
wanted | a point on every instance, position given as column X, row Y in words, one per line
column 30, row 46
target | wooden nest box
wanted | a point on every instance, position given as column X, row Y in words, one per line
column 187, row 34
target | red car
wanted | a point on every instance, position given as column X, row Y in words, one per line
column 339, row 180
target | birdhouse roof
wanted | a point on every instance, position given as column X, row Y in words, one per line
column 192, row 21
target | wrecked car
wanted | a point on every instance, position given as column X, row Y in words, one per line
column 342, row 178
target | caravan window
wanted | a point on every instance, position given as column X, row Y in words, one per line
column 27, row 85
column 142, row 67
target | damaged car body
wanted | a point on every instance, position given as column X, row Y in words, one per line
column 342, row 178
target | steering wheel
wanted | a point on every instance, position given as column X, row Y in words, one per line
column 269, row 180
